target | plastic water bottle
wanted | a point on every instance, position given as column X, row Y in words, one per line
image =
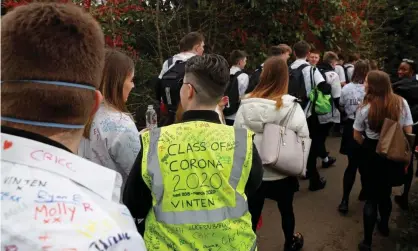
column 151, row 118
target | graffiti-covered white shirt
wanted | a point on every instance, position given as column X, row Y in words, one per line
column 114, row 141
column 51, row 199
column 352, row 96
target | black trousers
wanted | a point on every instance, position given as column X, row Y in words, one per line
column 281, row 191
column 318, row 133
column 350, row 148
column 377, row 188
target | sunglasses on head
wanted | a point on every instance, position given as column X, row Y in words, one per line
column 410, row 61
column 181, row 81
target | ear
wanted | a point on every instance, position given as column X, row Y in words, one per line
column 98, row 98
column 190, row 92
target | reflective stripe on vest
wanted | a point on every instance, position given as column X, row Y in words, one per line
column 206, row 216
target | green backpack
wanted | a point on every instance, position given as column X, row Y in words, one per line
column 320, row 101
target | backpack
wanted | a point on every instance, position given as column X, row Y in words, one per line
column 346, row 67
column 233, row 95
column 322, row 103
column 297, row 86
column 170, row 85
column 254, row 80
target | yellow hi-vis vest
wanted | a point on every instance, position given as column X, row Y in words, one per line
column 197, row 172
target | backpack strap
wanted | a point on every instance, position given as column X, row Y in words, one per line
column 289, row 116
column 170, row 62
column 237, row 74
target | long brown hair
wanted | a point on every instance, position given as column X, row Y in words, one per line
column 274, row 81
column 117, row 68
column 361, row 69
column 383, row 102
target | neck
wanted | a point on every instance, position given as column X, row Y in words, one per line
column 304, row 58
column 189, row 52
column 194, row 107
column 237, row 66
column 70, row 141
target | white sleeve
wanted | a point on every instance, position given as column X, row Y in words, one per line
column 164, row 69
column 335, row 83
column 340, row 71
column 360, row 121
column 406, row 116
column 243, row 81
column 125, row 145
column 317, row 76
column 350, row 72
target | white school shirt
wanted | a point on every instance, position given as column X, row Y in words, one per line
column 243, row 81
column 184, row 56
column 114, row 141
column 307, row 71
column 340, row 71
column 51, row 199
column 361, row 123
column 334, row 115
column 352, row 96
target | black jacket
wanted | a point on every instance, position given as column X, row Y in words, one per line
column 137, row 196
column 408, row 89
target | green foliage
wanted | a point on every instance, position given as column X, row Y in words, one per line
column 150, row 30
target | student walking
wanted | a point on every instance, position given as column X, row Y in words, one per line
column 407, row 87
column 50, row 197
column 352, row 96
column 379, row 103
column 172, row 73
column 238, row 84
column 192, row 179
column 111, row 136
column 270, row 103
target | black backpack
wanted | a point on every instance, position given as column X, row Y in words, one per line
column 254, row 79
column 297, row 86
column 346, row 67
column 233, row 95
column 170, row 85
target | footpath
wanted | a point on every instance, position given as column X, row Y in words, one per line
column 324, row 229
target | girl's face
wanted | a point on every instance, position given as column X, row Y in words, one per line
column 128, row 86
column 404, row 70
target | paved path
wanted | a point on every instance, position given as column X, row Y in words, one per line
column 317, row 217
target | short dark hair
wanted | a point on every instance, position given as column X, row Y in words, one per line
column 277, row 50
column 210, row 73
column 236, row 56
column 301, row 49
column 330, row 56
column 353, row 57
column 315, row 51
column 56, row 42
column 190, row 40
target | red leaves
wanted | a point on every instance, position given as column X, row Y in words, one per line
column 10, row 4
column 114, row 42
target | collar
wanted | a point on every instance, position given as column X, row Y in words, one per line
column 33, row 136
column 234, row 69
column 201, row 115
column 301, row 60
column 36, row 151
